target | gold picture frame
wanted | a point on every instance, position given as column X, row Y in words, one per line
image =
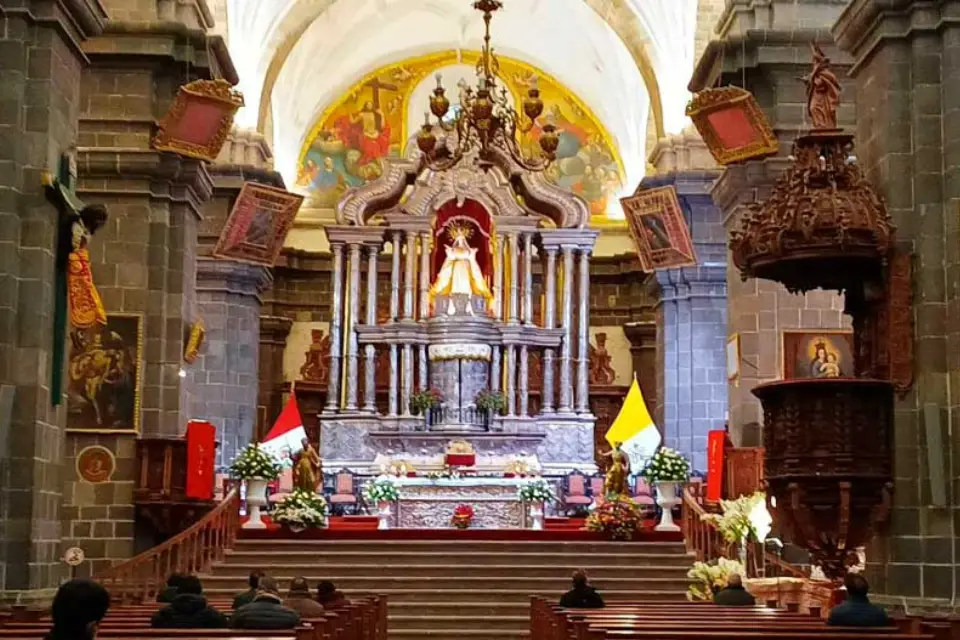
column 796, row 345
column 659, row 229
column 105, row 376
column 732, row 125
column 258, row 224
column 199, row 120
column 734, row 356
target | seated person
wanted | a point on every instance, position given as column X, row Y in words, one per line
column 299, row 599
column 582, row 595
column 77, row 610
column 170, row 591
column 857, row 610
column 734, row 595
column 266, row 611
column 329, row 597
column 189, row 609
column 247, row 596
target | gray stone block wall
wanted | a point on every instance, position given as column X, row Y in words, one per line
column 907, row 84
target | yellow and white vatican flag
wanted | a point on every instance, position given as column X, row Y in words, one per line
column 634, row 429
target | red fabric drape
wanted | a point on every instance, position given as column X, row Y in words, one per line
column 201, row 450
column 476, row 216
column 715, row 444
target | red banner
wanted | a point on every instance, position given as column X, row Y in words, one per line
column 715, row 443
column 201, row 452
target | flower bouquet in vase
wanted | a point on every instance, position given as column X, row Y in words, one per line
column 257, row 467
column 421, row 402
column 462, row 516
column 618, row 516
column 534, row 493
column 707, row 579
column 668, row 471
column 301, row 510
column 382, row 492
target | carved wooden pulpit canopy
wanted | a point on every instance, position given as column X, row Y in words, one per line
column 828, row 441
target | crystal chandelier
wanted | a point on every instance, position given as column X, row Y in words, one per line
column 486, row 118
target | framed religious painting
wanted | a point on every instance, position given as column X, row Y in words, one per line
column 823, row 353
column 258, row 224
column 659, row 229
column 104, row 375
column 199, row 120
column 732, row 125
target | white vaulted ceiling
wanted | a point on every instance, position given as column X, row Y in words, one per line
column 305, row 53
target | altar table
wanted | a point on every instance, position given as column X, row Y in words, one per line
column 427, row 503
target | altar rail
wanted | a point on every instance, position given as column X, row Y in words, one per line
column 194, row 550
column 705, row 541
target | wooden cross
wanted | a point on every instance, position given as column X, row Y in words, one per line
column 376, row 85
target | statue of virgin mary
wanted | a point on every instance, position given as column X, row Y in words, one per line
column 460, row 274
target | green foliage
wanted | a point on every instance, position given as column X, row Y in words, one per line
column 734, row 524
column 303, row 508
column 491, row 401
column 536, row 490
column 706, row 578
column 255, row 463
column 382, row 489
column 667, row 465
column 618, row 516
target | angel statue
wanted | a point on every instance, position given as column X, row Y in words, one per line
column 307, row 471
column 823, row 91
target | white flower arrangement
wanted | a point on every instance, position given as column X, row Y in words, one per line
column 254, row 463
column 301, row 508
column 706, row 578
column 382, row 489
column 536, row 490
column 667, row 465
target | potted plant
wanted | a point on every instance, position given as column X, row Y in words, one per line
column 708, row 578
column 301, row 510
column 490, row 403
column 382, row 492
column 258, row 467
column 535, row 492
column 462, row 516
column 422, row 402
column 618, row 516
column 666, row 471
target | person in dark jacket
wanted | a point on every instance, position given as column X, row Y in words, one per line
column 734, row 595
column 300, row 600
column 77, row 610
column 247, row 596
column 857, row 610
column 189, row 609
column 266, row 611
column 329, row 597
column 170, row 591
column 582, row 596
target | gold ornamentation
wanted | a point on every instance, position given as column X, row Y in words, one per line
column 712, row 109
column 96, row 464
column 460, row 448
column 174, row 130
column 194, row 342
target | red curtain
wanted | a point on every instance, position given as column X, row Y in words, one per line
column 473, row 214
column 201, row 451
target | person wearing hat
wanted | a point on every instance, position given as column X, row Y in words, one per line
column 301, row 600
column 266, row 611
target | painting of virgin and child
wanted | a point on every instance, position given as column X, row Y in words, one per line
column 817, row 354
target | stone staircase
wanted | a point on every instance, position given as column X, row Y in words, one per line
column 446, row 589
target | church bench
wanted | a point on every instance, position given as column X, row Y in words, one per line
column 584, row 632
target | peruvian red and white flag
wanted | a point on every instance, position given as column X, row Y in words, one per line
column 285, row 437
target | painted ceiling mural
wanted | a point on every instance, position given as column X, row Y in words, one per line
column 378, row 117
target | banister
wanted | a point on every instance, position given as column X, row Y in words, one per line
column 193, row 550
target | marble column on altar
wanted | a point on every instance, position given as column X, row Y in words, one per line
column 511, row 368
column 370, row 352
column 512, row 315
column 408, row 313
column 352, row 321
column 498, row 259
column 397, row 250
column 336, row 313
column 583, row 333
column 527, row 278
column 566, row 319
column 424, row 308
column 549, row 321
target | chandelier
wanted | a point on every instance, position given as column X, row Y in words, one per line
column 486, row 118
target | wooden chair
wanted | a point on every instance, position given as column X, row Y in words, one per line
column 642, row 493
column 596, row 489
column 344, row 493
column 284, row 486
column 575, row 495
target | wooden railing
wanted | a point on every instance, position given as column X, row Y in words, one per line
column 141, row 578
column 706, row 542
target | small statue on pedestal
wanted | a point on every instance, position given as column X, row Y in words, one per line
column 616, row 481
column 308, row 470
column 461, row 275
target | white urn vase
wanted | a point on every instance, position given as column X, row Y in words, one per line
column 256, row 498
column 667, row 499
column 383, row 515
column 536, row 516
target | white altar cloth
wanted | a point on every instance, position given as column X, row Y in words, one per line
column 427, row 503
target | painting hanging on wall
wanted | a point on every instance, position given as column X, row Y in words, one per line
column 659, row 229
column 826, row 353
column 104, row 376
column 258, row 224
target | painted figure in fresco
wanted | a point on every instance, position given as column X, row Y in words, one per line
column 372, row 136
column 656, row 232
column 460, row 274
column 307, row 471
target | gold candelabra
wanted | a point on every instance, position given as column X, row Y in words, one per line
column 486, row 118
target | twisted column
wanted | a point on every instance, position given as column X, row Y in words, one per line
column 583, row 337
column 370, row 352
column 336, row 320
column 514, row 279
column 527, row 278
column 566, row 320
column 394, row 383
column 422, row 369
column 352, row 347
column 524, row 381
column 397, row 238
column 496, row 378
column 407, row 390
column 549, row 321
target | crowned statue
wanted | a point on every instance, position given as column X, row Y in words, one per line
column 460, row 276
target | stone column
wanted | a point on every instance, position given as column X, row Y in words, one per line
column 511, row 392
column 424, row 275
column 643, row 352
column 397, row 249
column 498, row 278
column 527, row 278
column 336, row 324
column 409, row 276
column 496, row 377
column 583, row 334
column 524, row 381
column 370, row 352
column 394, row 383
column 549, row 321
column 566, row 322
column 407, row 390
column 352, row 320
column 273, row 341
column 512, row 313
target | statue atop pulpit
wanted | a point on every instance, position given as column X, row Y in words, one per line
column 460, row 277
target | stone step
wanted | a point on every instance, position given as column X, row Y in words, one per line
column 377, row 558
column 271, row 546
column 561, row 569
column 453, row 623
column 493, row 596
column 375, row 583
